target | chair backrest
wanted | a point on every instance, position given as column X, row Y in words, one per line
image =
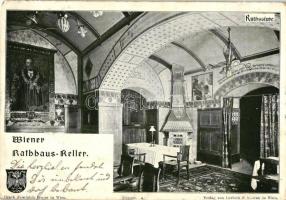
column 124, row 149
column 126, row 165
column 184, row 151
column 139, row 158
column 127, row 151
column 270, row 166
column 149, row 179
column 131, row 152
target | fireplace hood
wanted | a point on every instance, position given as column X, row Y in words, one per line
column 177, row 120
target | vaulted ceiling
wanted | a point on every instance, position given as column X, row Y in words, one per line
column 196, row 52
column 204, row 49
column 98, row 28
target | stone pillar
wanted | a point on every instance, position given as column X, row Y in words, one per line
column 163, row 112
column 110, row 119
column 67, row 118
column 193, row 137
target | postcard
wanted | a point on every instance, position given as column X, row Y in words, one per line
column 142, row 100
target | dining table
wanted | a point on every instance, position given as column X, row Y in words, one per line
column 153, row 152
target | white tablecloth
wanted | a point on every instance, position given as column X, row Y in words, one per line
column 154, row 154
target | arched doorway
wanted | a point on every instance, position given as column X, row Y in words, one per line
column 250, row 111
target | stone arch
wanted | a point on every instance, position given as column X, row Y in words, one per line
column 143, row 91
column 266, row 78
column 146, row 79
column 241, row 91
column 135, row 47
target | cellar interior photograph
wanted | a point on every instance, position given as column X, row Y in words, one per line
column 191, row 98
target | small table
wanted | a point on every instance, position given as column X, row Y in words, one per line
column 154, row 154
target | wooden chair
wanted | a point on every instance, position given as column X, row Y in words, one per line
column 125, row 172
column 149, row 179
column 268, row 175
column 180, row 161
column 139, row 159
column 270, row 166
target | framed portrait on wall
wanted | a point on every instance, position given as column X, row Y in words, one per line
column 202, row 87
column 30, row 83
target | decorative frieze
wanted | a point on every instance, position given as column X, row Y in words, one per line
column 238, row 68
column 254, row 77
column 62, row 100
column 213, row 103
column 157, row 104
column 66, row 99
column 29, row 116
column 60, row 115
column 109, row 97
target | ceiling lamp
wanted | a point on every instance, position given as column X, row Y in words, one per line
column 228, row 55
column 81, row 29
column 63, row 23
column 97, row 13
column 32, row 18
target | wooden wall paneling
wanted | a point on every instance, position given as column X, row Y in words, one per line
column 152, row 120
column 210, row 136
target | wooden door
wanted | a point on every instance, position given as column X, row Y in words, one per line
column 210, row 136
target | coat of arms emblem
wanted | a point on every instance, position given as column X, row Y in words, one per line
column 16, row 180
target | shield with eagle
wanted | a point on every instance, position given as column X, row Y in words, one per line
column 16, row 180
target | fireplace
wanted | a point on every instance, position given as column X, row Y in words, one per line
column 177, row 139
column 177, row 123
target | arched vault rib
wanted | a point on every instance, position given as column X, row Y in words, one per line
column 52, row 33
column 191, row 53
column 168, row 65
column 90, row 27
column 161, row 61
column 224, row 39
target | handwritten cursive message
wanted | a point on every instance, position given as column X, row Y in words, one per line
column 58, row 177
